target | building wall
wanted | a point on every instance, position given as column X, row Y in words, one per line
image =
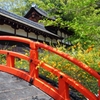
column 31, row 34
column 34, row 16
column 8, row 30
column 21, row 32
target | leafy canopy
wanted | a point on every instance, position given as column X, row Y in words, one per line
column 82, row 16
column 16, row 6
column 79, row 15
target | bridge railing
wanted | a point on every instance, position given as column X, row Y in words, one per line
column 60, row 93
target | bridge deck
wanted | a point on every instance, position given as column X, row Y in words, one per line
column 13, row 88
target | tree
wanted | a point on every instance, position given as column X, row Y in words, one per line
column 79, row 15
column 16, row 6
column 82, row 16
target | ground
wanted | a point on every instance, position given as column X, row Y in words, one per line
column 13, row 88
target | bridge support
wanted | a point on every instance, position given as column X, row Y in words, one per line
column 60, row 93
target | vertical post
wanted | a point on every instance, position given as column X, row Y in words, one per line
column 33, row 58
column 63, row 89
column 10, row 60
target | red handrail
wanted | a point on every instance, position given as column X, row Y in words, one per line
column 60, row 93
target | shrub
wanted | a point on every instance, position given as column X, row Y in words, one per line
column 89, row 56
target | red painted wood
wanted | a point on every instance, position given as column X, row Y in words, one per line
column 60, row 93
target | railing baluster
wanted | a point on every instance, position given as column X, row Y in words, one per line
column 10, row 60
column 60, row 93
column 63, row 89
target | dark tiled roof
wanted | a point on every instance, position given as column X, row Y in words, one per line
column 38, row 10
column 26, row 21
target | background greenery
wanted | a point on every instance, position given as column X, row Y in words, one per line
column 81, row 16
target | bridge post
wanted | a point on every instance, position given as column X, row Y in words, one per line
column 33, row 57
column 10, row 60
column 63, row 89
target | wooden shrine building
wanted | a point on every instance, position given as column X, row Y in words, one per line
column 28, row 26
column 35, row 14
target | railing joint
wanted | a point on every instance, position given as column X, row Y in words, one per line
column 31, row 81
column 31, row 60
column 61, row 76
column 7, row 53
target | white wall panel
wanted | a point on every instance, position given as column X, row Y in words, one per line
column 40, row 37
column 21, row 32
column 58, row 33
column 54, row 41
column 6, row 28
column 32, row 35
column 63, row 35
column 48, row 39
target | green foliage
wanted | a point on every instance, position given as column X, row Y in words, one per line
column 89, row 56
column 22, row 64
column 16, row 6
column 2, row 59
column 82, row 16
column 79, row 15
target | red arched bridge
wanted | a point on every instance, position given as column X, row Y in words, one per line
column 60, row 93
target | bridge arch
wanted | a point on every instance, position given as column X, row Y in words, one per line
column 60, row 93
